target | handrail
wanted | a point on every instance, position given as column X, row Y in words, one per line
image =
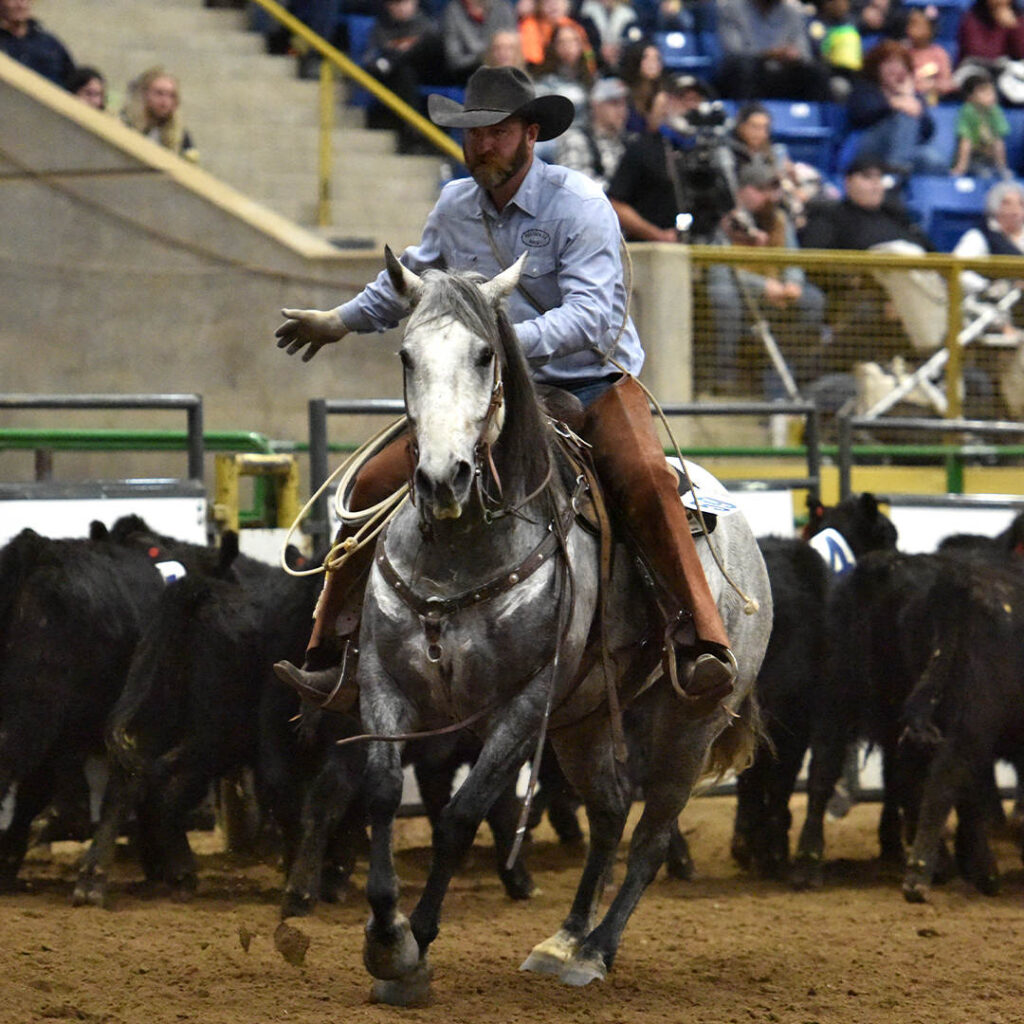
column 192, row 404
column 114, row 440
column 848, row 424
column 350, row 69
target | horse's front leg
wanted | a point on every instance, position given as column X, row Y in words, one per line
column 587, row 758
column 390, row 952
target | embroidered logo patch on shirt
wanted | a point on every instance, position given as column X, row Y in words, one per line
column 535, row 237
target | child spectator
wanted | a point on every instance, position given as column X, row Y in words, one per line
column 152, row 108
column 467, row 28
column 981, row 127
column 89, row 86
column 933, row 68
column 839, row 45
column 23, row 39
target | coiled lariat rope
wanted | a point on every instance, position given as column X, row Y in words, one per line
column 370, row 520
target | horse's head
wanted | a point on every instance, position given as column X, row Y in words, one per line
column 456, row 360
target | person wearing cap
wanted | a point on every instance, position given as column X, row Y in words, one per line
column 781, row 294
column 569, row 313
column 867, row 215
column 595, row 149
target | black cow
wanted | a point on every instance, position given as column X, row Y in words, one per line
column 875, row 654
column 966, row 711
column 71, row 613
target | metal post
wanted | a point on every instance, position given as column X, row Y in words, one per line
column 325, row 163
column 845, row 456
column 319, row 523
column 196, row 451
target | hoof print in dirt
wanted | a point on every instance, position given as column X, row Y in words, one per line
column 291, row 943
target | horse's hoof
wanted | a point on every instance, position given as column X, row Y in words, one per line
column 297, row 904
column 518, row 885
column 392, row 955
column 551, row 955
column 988, row 885
column 582, row 970
column 915, row 891
column 806, row 874
column 412, row 989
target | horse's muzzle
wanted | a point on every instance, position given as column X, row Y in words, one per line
column 446, row 497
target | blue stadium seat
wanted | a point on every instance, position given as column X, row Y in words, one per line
column 1015, row 140
column 948, row 206
column 805, row 128
column 943, row 140
column 680, row 51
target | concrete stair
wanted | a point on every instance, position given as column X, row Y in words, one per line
column 253, row 120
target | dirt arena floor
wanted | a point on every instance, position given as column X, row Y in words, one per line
column 722, row 949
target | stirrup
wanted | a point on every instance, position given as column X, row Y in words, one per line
column 331, row 688
column 709, row 675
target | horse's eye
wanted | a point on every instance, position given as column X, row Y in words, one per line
column 406, row 358
column 484, row 357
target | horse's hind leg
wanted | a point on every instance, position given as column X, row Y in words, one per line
column 607, row 792
column 666, row 791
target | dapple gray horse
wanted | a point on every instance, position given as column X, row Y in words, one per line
column 479, row 609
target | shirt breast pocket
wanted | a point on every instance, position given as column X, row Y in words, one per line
column 539, row 265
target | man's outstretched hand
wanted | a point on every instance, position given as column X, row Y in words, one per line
column 312, row 327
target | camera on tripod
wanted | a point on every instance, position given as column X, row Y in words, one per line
column 700, row 166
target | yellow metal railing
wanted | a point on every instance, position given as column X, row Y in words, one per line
column 334, row 59
column 283, row 471
column 831, row 270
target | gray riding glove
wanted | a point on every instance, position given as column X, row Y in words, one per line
column 312, row 327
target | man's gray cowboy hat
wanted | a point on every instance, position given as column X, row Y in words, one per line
column 492, row 94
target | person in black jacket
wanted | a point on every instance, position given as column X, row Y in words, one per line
column 867, row 216
column 23, row 39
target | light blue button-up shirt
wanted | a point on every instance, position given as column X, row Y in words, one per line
column 574, row 270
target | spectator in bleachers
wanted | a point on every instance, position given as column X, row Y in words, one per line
column 674, row 16
column 839, row 43
column 403, row 51
column 868, row 214
column 896, row 124
column 749, row 143
column 24, row 39
column 933, row 67
column 567, row 69
column 536, row 28
column 1001, row 234
column 886, row 18
column 646, row 189
column 981, row 127
column 89, row 86
column 505, row 50
column 794, row 307
column 641, row 68
column 595, row 149
column 153, row 107
column 468, row 27
column 989, row 31
column 612, row 19
column 766, row 52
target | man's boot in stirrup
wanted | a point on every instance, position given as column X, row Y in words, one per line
column 327, row 677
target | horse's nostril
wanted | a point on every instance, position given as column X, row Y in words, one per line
column 422, row 484
column 462, row 477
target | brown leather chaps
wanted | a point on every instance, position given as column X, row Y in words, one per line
column 642, row 491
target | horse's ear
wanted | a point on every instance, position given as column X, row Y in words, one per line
column 404, row 281
column 503, row 284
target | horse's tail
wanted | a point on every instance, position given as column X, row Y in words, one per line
column 734, row 747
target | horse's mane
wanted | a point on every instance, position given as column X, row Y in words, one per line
column 521, row 453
